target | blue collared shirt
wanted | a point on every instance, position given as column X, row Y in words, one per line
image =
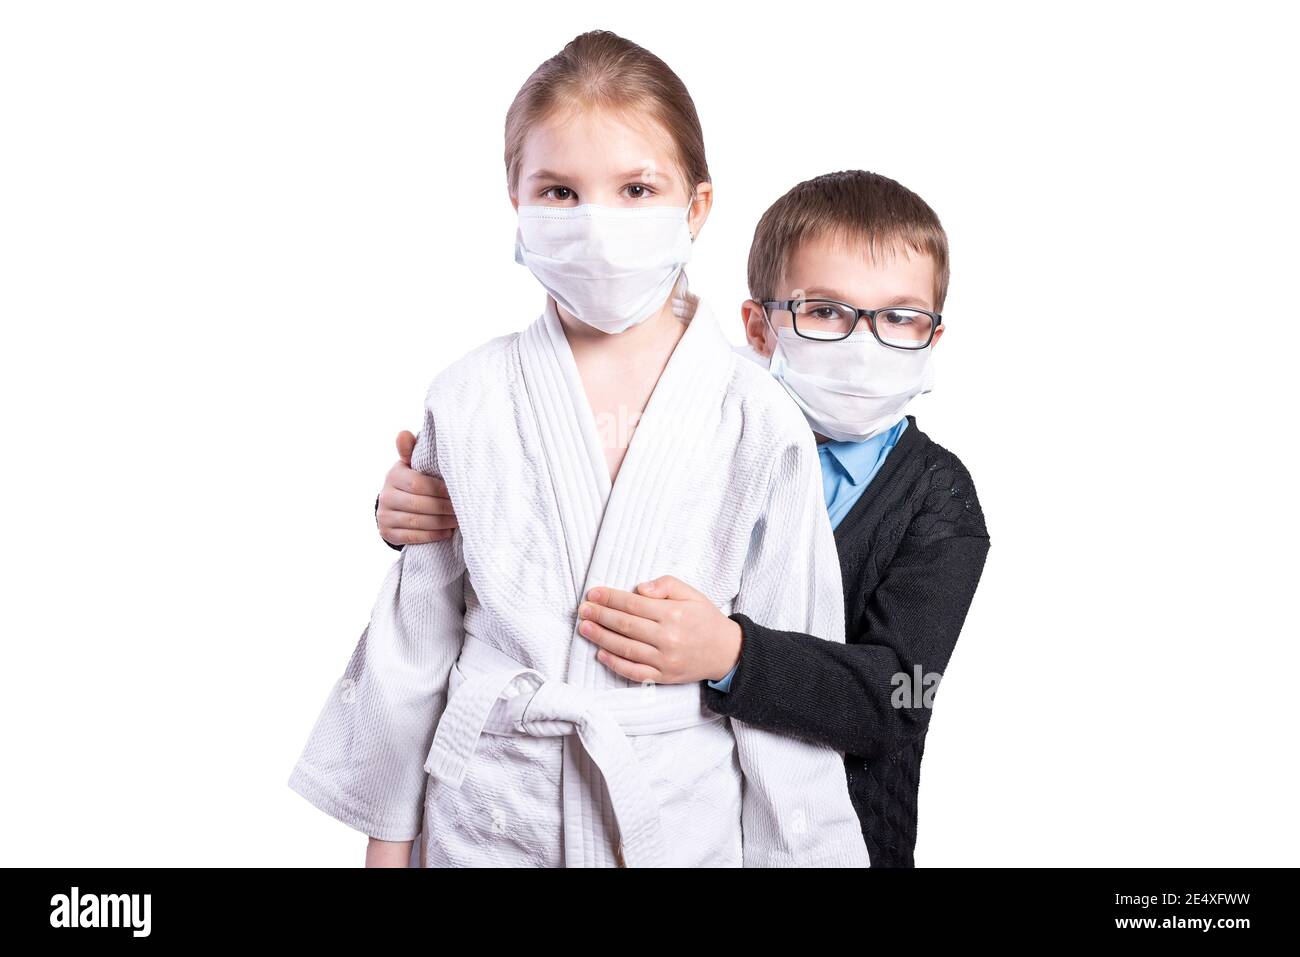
column 847, row 470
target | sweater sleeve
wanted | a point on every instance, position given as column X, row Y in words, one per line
column 849, row 695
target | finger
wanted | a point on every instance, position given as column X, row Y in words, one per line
column 413, row 536
column 618, row 644
column 626, row 602
column 390, row 520
column 628, row 669
column 666, row 586
column 405, row 446
column 395, row 500
column 630, row 626
column 417, row 483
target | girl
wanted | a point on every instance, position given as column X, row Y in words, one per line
column 472, row 712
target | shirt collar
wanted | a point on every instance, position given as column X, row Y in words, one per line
column 856, row 459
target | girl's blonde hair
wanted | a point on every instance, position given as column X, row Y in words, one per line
column 601, row 69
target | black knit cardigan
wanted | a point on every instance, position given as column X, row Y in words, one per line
column 911, row 549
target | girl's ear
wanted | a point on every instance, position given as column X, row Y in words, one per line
column 701, row 203
column 514, row 201
column 757, row 331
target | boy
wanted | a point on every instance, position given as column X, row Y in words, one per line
column 848, row 273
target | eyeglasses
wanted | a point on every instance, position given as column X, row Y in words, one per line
column 829, row 321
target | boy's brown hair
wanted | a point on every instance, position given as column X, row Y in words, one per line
column 852, row 206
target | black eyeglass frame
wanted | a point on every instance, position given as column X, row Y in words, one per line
column 788, row 305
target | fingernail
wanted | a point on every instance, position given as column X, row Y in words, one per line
column 584, row 610
column 595, row 594
column 584, row 629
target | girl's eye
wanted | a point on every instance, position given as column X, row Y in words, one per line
column 558, row 192
column 638, row 191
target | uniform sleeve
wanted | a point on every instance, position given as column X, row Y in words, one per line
column 364, row 760
column 796, row 809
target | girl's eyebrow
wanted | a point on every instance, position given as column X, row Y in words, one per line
column 641, row 172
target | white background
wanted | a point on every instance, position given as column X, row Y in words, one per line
column 230, row 235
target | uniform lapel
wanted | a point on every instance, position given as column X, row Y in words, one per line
column 571, row 447
column 612, row 531
column 674, row 431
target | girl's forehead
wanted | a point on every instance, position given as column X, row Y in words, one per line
column 597, row 143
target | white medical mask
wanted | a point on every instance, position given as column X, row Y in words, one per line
column 850, row 389
column 610, row 268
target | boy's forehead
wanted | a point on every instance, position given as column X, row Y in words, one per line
column 855, row 271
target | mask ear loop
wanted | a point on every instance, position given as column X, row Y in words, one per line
column 776, row 345
column 776, row 338
column 684, row 301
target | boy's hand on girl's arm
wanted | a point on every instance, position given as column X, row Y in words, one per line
column 388, row 853
column 413, row 508
column 665, row 632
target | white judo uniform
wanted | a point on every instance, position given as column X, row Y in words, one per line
column 474, row 714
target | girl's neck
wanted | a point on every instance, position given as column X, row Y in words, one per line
column 651, row 341
column 619, row 372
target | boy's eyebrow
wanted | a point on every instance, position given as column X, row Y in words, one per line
column 900, row 300
column 906, row 300
column 818, row 292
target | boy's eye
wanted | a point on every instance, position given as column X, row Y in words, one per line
column 820, row 319
column 638, row 191
column 558, row 192
column 814, row 311
column 904, row 327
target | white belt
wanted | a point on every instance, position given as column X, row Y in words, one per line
column 538, row 707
